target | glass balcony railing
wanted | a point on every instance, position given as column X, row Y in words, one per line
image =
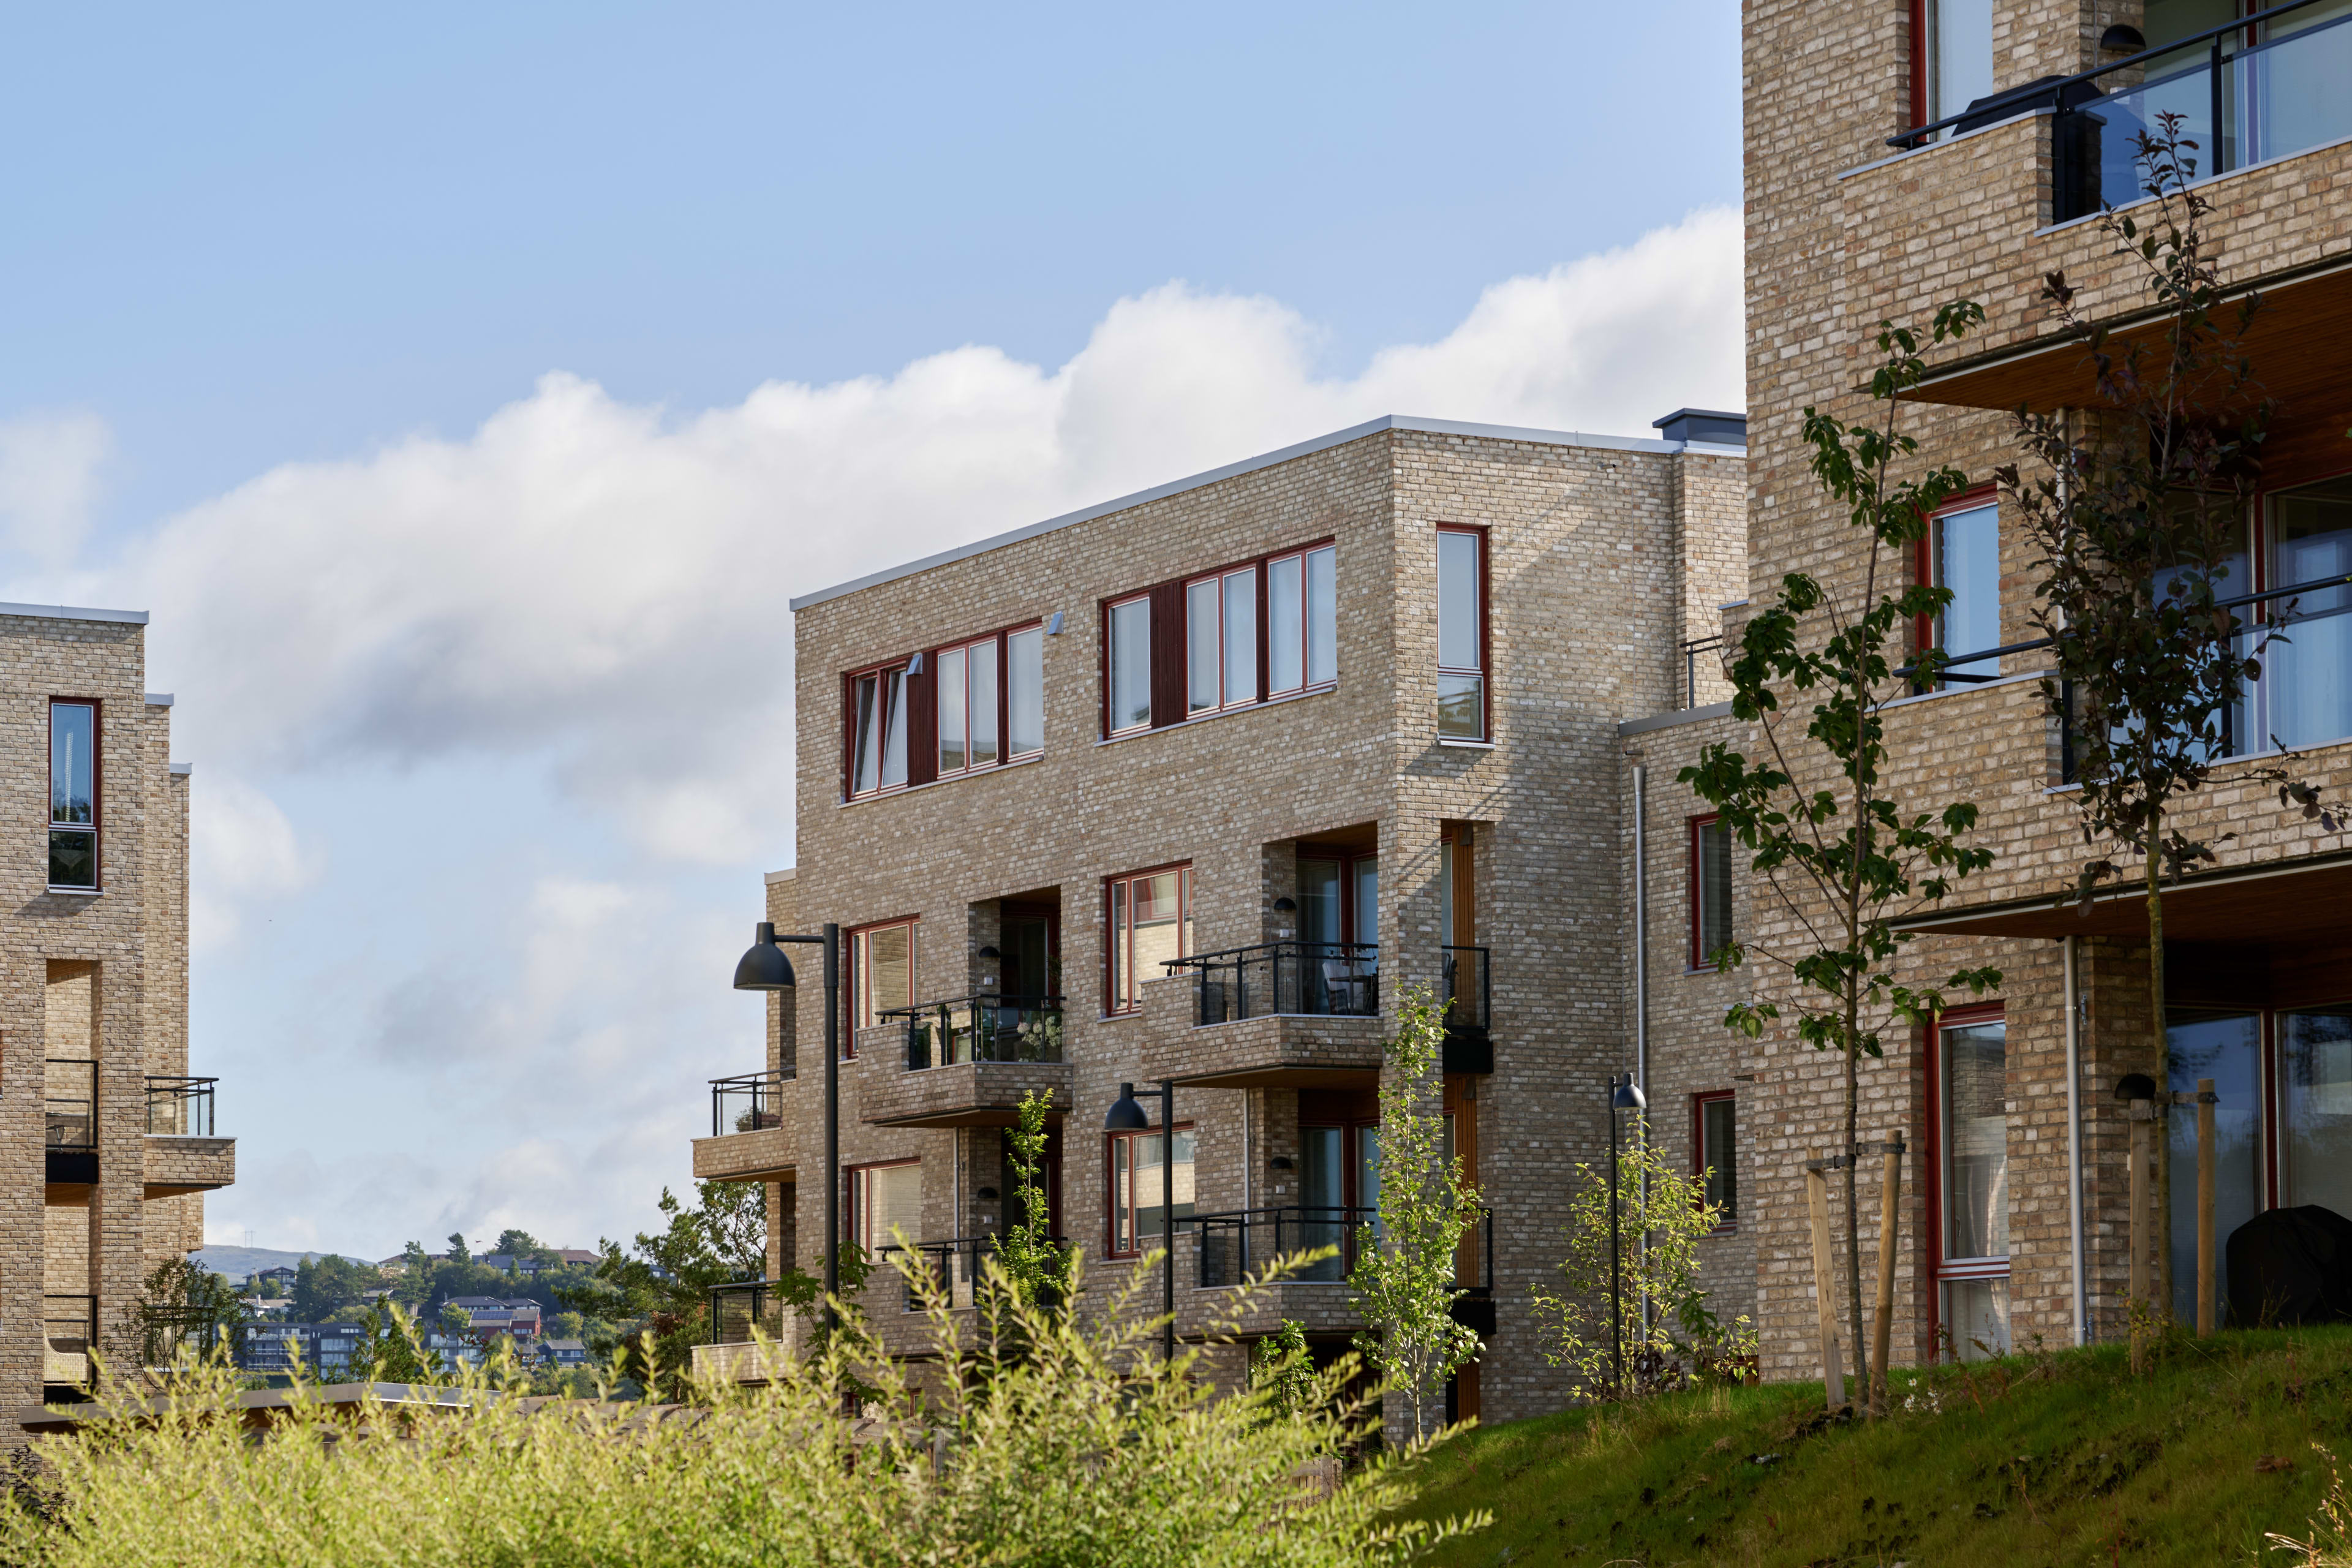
column 984, row 1028
column 1469, row 994
column 181, row 1107
column 1324, row 979
column 747, row 1102
column 2266, row 86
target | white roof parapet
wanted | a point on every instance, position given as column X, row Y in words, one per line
column 158, row 699
column 184, row 768
column 1264, row 460
column 76, row 612
column 785, row 874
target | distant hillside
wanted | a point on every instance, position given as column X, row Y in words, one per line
column 240, row 1263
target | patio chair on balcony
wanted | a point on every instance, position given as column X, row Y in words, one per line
column 1351, row 985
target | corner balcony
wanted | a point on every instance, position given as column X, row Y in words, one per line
column 753, row 1337
column 1280, row 1015
column 183, row 1155
column 1229, row 1245
column 967, row 1062
column 749, row 1140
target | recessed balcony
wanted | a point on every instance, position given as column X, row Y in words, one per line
column 70, row 1120
column 749, row 1140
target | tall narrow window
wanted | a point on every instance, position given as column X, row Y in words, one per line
column 1461, row 635
column 882, row 960
column 1714, row 1157
column 1959, row 53
column 1221, row 641
column 1973, row 1134
column 1138, row 1191
column 878, row 731
column 1710, row 890
column 1150, row 922
column 1024, row 683
column 1128, row 631
column 1302, row 620
column 966, row 679
column 885, row 1199
column 1964, row 554
column 73, row 795
column 2307, row 670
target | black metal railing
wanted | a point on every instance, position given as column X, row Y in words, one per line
column 1469, row 987
column 180, row 1106
column 984, row 1028
column 70, row 1103
column 747, row 1102
column 1232, row 1242
column 958, row 1267
column 1691, row 651
column 2244, row 91
column 69, row 1332
column 739, row 1306
column 1338, row 979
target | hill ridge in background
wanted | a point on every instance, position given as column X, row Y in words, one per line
column 240, row 1263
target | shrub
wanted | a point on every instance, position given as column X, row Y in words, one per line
column 1082, row 1450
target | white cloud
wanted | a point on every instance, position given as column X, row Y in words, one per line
column 603, row 584
column 49, row 478
column 243, row 848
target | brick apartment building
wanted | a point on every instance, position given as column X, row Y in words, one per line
column 95, row 943
column 1473, row 799
column 1317, row 726
column 2016, row 1201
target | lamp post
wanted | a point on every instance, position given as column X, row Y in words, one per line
column 1127, row 1116
column 764, row 967
column 1623, row 1095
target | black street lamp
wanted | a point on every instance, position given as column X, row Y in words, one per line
column 1623, row 1095
column 1127, row 1116
column 764, row 967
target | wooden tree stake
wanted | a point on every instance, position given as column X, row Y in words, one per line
column 2205, row 1262
column 1881, row 1332
column 1817, row 1194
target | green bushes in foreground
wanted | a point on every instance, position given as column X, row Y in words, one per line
column 1073, row 1445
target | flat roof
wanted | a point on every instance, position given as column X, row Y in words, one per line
column 1267, row 460
column 76, row 612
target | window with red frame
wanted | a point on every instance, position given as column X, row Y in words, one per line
column 1715, row 1152
column 1462, row 695
column 1149, row 920
column 882, row 1198
column 878, row 724
column 73, row 796
column 1138, row 1218
column 1204, row 644
column 1967, row 1079
column 881, row 974
column 1951, row 56
column 1961, row 554
column 1710, row 890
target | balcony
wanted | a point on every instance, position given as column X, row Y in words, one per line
column 1234, row 1243
column 1469, row 994
column 69, row 1331
column 959, row 1267
column 967, row 1062
column 749, row 1140
column 2249, row 91
column 1279, row 1015
column 734, row 1355
column 182, row 1153
column 69, row 1112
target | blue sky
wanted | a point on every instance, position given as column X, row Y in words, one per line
column 457, row 386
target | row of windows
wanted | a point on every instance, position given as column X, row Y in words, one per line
column 1240, row 635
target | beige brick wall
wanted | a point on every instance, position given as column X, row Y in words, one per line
column 1605, row 557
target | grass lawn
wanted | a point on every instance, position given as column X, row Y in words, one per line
column 2062, row 1459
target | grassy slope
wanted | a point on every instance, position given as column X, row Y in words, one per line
column 2062, row 1459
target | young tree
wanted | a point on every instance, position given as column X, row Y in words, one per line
column 1037, row 1267
column 2139, row 519
column 1404, row 1281
column 1284, row 1372
column 185, row 1311
column 1670, row 1338
column 661, row 1284
column 1837, row 856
